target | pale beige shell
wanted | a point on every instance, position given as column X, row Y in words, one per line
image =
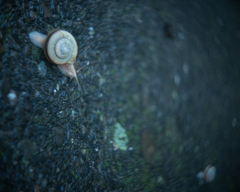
column 60, row 47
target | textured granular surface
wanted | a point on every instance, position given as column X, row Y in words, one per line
column 160, row 97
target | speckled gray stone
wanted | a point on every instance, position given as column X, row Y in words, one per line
column 26, row 51
column 42, row 68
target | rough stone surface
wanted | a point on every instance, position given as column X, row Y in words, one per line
column 166, row 71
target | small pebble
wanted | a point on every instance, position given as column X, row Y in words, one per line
column 42, row 68
column 32, row 15
column 56, row 17
column 69, row 23
column 37, row 94
column 12, row 96
column 44, row 183
column 181, row 35
column 57, row 87
column 91, row 32
column 64, row 80
column 46, row 11
column 26, row 51
column 13, row 54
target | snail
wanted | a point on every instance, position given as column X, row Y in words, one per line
column 208, row 175
column 60, row 48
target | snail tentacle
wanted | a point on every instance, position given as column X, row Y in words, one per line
column 81, row 68
column 69, row 70
column 37, row 38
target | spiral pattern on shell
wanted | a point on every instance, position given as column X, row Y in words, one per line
column 60, row 47
column 209, row 173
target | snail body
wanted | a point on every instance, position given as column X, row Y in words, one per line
column 60, row 48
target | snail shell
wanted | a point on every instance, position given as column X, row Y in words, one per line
column 60, row 48
column 208, row 175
